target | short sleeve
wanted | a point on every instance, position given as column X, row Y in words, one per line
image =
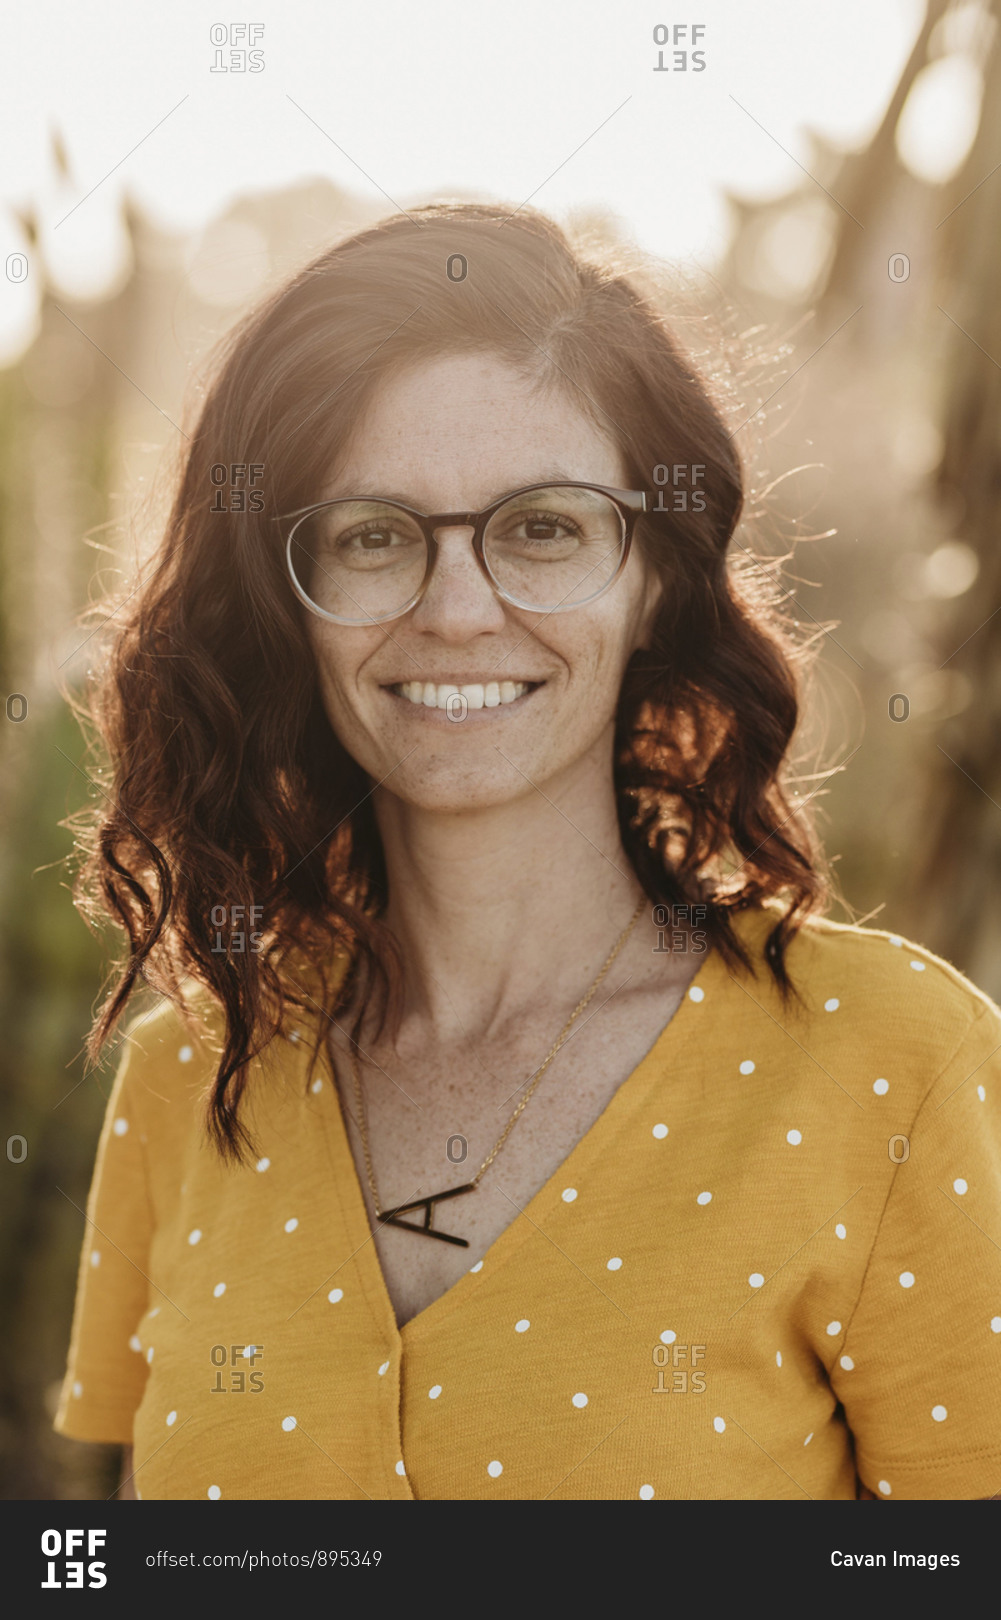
column 919, row 1373
column 106, row 1372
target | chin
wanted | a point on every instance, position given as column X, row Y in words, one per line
column 447, row 788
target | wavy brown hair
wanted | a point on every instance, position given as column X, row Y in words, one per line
column 225, row 786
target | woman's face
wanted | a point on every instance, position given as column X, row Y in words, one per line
column 448, row 436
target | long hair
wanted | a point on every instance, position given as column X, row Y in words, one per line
column 226, row 788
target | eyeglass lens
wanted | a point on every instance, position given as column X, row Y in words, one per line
column 544, row 548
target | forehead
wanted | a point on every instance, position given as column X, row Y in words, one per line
column 457, row 432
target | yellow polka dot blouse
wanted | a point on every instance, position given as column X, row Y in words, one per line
column 771, row 1269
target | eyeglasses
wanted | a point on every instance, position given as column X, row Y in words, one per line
column 546, row 548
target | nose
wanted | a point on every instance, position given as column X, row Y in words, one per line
column 459, row 603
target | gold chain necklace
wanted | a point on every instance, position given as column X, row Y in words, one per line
column 391, row 1217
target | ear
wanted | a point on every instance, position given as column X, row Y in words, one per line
column 650, row 604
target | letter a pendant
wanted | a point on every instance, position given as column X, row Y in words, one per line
column 391, row 1217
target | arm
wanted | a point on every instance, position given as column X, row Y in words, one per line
column 127, row 1488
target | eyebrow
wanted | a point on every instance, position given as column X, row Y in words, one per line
column 366, row 491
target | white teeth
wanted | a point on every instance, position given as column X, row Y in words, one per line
column 491, row 695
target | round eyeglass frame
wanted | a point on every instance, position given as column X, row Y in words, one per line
column 630, row 504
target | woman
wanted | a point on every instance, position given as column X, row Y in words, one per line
column 508, row 1124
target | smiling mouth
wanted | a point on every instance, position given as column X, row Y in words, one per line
column 488, row 695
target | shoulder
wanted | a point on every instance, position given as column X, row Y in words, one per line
column 871, row 996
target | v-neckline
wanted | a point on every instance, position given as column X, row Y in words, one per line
column 621, row 1107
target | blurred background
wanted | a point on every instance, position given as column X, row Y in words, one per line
column 832, row 180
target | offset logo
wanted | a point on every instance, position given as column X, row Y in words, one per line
column 65, row 1569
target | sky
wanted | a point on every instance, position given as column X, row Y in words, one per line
column 590, row 106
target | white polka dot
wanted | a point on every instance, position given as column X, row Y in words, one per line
column 660, row 1131
column 696, row 993
column 939, row 1413
column 918, row 967
column 149, row 1353
column 719, row 1425
column 755, row 1279
column 293, row 1035
column 522, row 1326
column 135, row 1342
column 778, row 1358
column 831, row 1004
column 264, row 1164
column 895, row 939
column 120, row 1127
column 384, row 1369
column 186, row 1054
column 906, row 1279
column 213, row 1493
column 316, row 1087
column 569, row 1194
column 885, row 1488
column 291, row 1224
column 981, row 1093
column 646, row 1491
column 809, row 1437
column 794, row 1138
column 249, row 1351
column 747, row 1067
column 171, row 1419
column 478, row 1266
column 834, row 1328
column 495, row 1469
column 847, row 1363
column 219, row 1290
column 996, row 1324
column 881, row 1087
column 668, row 1337
column 840, row 1231
column 155, row 1311
column 434, row 1392
column 95, row 1257
column 704, row 1198
column 960, row 1186
column 400, row 1469
column 77, row 1390
column 195, row 1236
column 288, row 1424
column 615, row 1264
column 335, row 1296
column 580, row 1400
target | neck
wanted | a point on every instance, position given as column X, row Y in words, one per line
column 495, row 907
